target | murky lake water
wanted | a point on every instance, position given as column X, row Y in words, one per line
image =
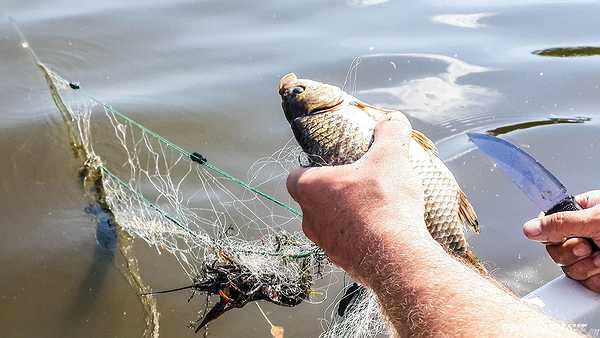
column 204, row 74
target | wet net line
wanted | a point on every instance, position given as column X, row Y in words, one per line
column 233, row 241
column 180, row 202
column 197, row 157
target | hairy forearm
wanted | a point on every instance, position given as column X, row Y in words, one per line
column 425, row 292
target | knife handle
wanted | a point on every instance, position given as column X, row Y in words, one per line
column 569, row 204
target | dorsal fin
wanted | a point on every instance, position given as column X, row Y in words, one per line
column 466, row 213
column 424, row 141
column 377, row 112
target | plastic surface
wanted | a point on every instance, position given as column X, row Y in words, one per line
column 566, row 299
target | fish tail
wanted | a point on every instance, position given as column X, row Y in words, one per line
column 466, row 212
column 470, row 257
column 424, row 141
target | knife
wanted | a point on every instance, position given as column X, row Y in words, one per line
column 530, row 176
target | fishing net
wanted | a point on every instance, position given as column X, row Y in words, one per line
column 225, row 233
column 232, row 240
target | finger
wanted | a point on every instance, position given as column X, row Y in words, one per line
column 592, row 283
column 570, row 251
column 292, row 181
column 391, row 137
column 305, row 182
column 556, row 227
column 584, row 268
column 588, row 199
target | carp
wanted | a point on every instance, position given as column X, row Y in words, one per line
column 335, row 128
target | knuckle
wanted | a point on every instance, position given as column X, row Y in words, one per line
column 573, row 273
column 291, row 182
column 293, row 179
column 554, row 253
column 564, row 258
column 593, row 215
column 393, row 123
column 304, row 184
column 593, row 283
column 588, row 216
column 557, row 219
column 576, row 271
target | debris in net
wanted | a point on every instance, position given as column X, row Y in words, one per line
column 275, row 267
column 276, row 331
column 232, row 240
column 346, row 303
column 236, row 286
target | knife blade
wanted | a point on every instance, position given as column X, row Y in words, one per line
column 530, row 176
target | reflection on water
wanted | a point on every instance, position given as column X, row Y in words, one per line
column 565, row 52
column 365, row 3
column 457, row 145
column 437, row 97
column 203, row 73
column 106, row 231
column 532, row 124
column 462, row 20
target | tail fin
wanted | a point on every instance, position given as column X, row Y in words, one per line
column 470, row 257
column 466, row 213
column 424, row 141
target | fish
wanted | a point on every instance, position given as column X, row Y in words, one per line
column 335, row 128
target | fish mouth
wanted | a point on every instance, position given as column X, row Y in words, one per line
column 303, row 97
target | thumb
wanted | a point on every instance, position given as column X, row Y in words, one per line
column 588, row 199
column 390, row 137
column 556, row 227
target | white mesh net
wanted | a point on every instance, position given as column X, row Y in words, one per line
column 221, row 230
column 232, row 240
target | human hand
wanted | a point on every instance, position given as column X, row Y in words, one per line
column 569, row 235
column 352, row 211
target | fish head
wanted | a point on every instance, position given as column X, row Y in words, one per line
column 302, row 97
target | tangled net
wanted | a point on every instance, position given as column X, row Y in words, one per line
column 233, row 241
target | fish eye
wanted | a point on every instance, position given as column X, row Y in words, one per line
column 294, row 91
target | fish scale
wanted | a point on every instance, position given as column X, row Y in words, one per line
column 441, row 201
column 331, row 139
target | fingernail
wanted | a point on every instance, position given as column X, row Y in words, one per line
column 597, row 261
column 581, row 250
column 533, row 228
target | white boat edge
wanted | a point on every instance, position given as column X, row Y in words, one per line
column 567, row 300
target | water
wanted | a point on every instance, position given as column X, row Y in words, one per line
column 204, row 74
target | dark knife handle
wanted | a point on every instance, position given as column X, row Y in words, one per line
column 569, row 204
